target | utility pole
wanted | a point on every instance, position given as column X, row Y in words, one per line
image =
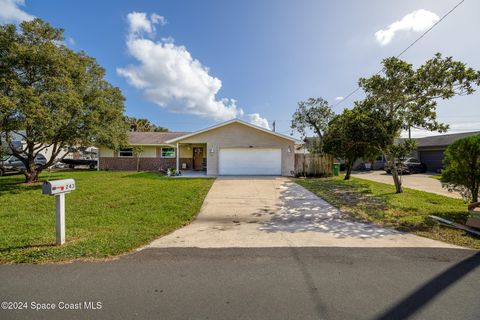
column 273, row 125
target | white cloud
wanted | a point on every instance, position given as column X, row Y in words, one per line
column 139, row 23
column 158, row 19
column 11, row 13
column 169, row 76
column 418, row 21
column 339, row 98
column 258, row 121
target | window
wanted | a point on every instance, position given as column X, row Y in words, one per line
column 168, row 153
column 127, row 152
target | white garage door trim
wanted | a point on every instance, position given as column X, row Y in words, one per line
column 250, row 161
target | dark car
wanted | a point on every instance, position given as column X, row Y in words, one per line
column 10, row 163
column 408, row 166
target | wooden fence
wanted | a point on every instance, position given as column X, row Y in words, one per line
column 313, row 165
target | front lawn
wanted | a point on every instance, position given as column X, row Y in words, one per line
column 377, row 202
column 110, row 213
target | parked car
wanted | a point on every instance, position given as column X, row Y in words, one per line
column 408, row 166
column 10, row 163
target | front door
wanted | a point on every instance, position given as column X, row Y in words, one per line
column 197, row 158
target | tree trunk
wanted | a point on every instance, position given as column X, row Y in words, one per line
column 31, row 176
column 396, row 180
column 348, row 169
column 474, row 192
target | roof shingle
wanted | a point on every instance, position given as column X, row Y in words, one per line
column 443, row 140
column 152, row 138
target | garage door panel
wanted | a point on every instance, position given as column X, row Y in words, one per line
column 250, row 161
column 433, row 159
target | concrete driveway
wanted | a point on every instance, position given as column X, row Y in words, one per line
column 418, row 181
column 248, row 212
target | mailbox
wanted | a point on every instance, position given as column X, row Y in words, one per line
column 58, row 186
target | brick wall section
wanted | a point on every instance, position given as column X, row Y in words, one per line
column 146, row 164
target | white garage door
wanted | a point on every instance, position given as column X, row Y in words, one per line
column 250, row 161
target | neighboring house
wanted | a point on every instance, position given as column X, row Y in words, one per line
column 430, row 149
column 19, row 143
column 233, row 147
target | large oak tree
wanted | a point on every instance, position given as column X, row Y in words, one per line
column 53, row 97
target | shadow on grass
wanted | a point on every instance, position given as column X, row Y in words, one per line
column 15, row 183
column 27, row 246
column 357, row 198
column 16, row 187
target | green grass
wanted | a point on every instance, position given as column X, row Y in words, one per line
column 110, row 213
column 408, row 211
column 437, row 177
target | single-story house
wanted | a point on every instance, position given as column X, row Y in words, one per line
column 430, row 149
column 234, row 147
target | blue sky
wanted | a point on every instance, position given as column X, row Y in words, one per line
column 265, row 55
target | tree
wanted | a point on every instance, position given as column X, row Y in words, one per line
column 143, row 125
column 53, row 97
column 137, row 152
column 462, row 167
column 349, row 136
column 313, row 114
column 403, row 97
column 160, row 129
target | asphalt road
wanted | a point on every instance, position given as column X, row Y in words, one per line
column 260, row 283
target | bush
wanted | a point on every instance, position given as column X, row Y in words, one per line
column 462, row 167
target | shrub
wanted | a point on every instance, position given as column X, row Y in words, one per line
column 462, row 167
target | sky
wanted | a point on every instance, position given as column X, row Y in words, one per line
column 186, row 65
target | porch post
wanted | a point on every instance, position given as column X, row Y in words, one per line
column 178, row 159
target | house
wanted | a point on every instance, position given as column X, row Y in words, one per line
column 430, row 149
column 19, row 143
column 234, row 147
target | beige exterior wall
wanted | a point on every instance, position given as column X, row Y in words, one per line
column 186, row 150
column 105, row 152
column 149, row 152
column 236, row 135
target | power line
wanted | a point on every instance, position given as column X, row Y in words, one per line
column 405, row 50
